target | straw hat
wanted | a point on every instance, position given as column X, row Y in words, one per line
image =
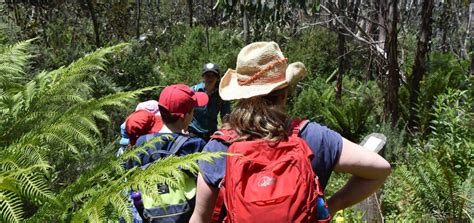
column 261, row 69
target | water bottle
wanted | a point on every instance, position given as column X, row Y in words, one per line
column 322, row 210
column 137, row 199
column 138, row 203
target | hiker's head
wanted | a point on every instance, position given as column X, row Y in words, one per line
column 260, row 81
column 210, row 75
column 140, row 123
column 261, row 69
column 261, row 117
column 177, row 103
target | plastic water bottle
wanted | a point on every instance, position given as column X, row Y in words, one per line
column 137, row 199
column 138, row 203
column 322, row 210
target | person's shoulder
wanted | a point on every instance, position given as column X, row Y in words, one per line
column 192, row 141
column 314, row 126
column 195, row 139
column 314, row 129
column 216, row 145
column 143, row 138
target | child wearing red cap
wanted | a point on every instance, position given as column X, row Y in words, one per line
column 176, row 105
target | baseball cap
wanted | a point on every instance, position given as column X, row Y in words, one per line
column 140, row 123
column 179, row 99
column 210, row 67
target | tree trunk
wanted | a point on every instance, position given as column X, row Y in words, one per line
column 468, row 34
column 190, row 10
column 354, row 12
column 468, row 37
column 15, row 13
column 341, row 49
column 90, row 6
column 245, row 22
column 445, row 18
column 419, row 68
column 393, row 82
column 137, row 18
column 382, row 32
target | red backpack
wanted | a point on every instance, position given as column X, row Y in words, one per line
column 271, row 182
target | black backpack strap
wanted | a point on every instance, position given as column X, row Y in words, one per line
column 178, row 143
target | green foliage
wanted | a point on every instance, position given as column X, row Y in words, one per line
column 444, row 71
column 102, row 192
column 183, row 63
column 55, row 115
column 317, row 49
column 438, row 173
column 350, row 117
column 49, row 116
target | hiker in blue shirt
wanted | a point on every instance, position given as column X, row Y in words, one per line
column 204, row 121
column 261, row 84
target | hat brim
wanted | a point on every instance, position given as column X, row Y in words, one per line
column 229, row 88
column 214, row 71
column 201, row 98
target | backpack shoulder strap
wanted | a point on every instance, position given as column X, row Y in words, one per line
column 178, row 143
column 226, row 135
column 148, row 137
column 297, row 126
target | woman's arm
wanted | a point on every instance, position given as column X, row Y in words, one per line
column 205, row 201
column 369, row 172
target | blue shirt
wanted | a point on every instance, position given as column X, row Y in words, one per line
column 192, row 145
column 205, row 117
column 325, row 143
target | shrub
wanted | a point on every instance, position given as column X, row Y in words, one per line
column 438, row 172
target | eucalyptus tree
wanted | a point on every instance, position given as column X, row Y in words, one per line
column 260, row 16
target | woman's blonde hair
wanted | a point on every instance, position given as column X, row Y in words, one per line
column 261, row 117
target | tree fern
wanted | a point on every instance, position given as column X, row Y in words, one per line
column 52, row 115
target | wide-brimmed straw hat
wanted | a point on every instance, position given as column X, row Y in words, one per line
column 261, row 69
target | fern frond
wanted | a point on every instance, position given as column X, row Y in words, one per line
column 35, row 186
column 121, row 204
column 14, row 58
column 106, row 186
column 54, row 140
column 10, row 207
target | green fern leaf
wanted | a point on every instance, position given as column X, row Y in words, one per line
column 10, row 207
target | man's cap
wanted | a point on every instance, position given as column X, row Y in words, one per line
column 210, row 67
column 179, row 99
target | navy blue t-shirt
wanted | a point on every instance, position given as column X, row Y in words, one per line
column 191, row 145
column 325, row 143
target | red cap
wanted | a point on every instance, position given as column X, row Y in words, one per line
column 140, row 123
column 179, row 100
